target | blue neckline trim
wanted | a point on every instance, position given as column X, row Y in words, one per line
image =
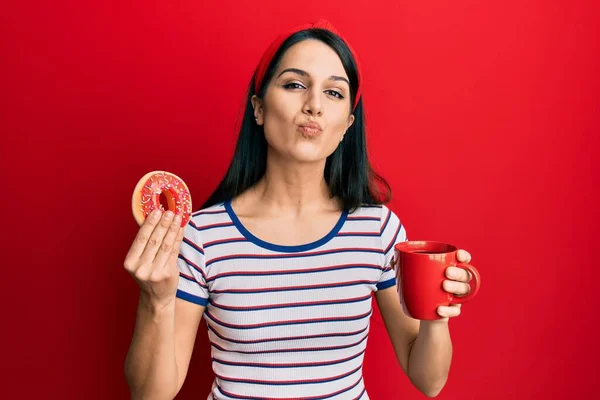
column 281, row 248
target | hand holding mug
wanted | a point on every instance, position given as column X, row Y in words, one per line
column 456, row 284
column 434, row 279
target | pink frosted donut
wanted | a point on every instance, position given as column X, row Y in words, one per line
column 146, row 196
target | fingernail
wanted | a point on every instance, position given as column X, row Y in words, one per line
column 178, row 218
column 155, row 214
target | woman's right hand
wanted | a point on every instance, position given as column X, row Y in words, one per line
column 152, row 258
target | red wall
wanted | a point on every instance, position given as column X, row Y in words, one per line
column 483, row 116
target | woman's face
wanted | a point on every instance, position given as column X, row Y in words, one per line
column 306, row 109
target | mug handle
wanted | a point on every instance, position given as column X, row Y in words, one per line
column 474, row 284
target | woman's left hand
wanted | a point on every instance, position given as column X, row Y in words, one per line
column 456, row 284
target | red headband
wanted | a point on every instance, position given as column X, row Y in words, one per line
column 267, row 57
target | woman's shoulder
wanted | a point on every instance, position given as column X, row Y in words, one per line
column 208, row 215
column 379, row 211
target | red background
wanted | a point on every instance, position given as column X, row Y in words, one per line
column 483, row 116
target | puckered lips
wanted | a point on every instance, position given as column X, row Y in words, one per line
column 310, row 129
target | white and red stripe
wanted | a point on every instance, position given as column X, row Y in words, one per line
column 287, row 322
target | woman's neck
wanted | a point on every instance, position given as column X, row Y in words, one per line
column 292, row 189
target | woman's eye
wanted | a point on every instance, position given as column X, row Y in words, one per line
column 293, row 85
column 335, row 94
column 296, row 85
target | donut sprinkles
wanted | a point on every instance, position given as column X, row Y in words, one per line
column 149, row 189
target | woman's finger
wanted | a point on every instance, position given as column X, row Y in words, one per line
column 166, row 247
column 449, row 311
column 457, row 288
column 463, row 256
column 172, row 262
column 156, row 238
column 458, row 274
column 177, row 246
column 140, row 241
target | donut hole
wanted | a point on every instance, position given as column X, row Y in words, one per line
column 164, row 201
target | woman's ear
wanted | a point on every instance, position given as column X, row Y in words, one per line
column 258, row 109
column 350, row 121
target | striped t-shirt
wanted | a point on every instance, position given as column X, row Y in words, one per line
column 287, row 322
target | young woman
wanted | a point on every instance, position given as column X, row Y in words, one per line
column 283, row 258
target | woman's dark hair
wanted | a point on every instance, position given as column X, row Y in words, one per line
column 348, row 172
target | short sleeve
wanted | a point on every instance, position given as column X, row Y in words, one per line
column 192, row 268
column 392, row 231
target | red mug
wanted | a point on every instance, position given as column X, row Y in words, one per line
column 421, row 270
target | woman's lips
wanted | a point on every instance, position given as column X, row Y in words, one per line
column 311, row 129
column 312, row 132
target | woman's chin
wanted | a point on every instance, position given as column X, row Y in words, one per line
column 308, row 155
column 304, row 152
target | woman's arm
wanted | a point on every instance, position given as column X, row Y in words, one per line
column 423, row 348
column 161, row 349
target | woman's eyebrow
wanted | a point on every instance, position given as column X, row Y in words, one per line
column 304, row 73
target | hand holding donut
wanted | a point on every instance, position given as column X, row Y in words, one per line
column 152, row 258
